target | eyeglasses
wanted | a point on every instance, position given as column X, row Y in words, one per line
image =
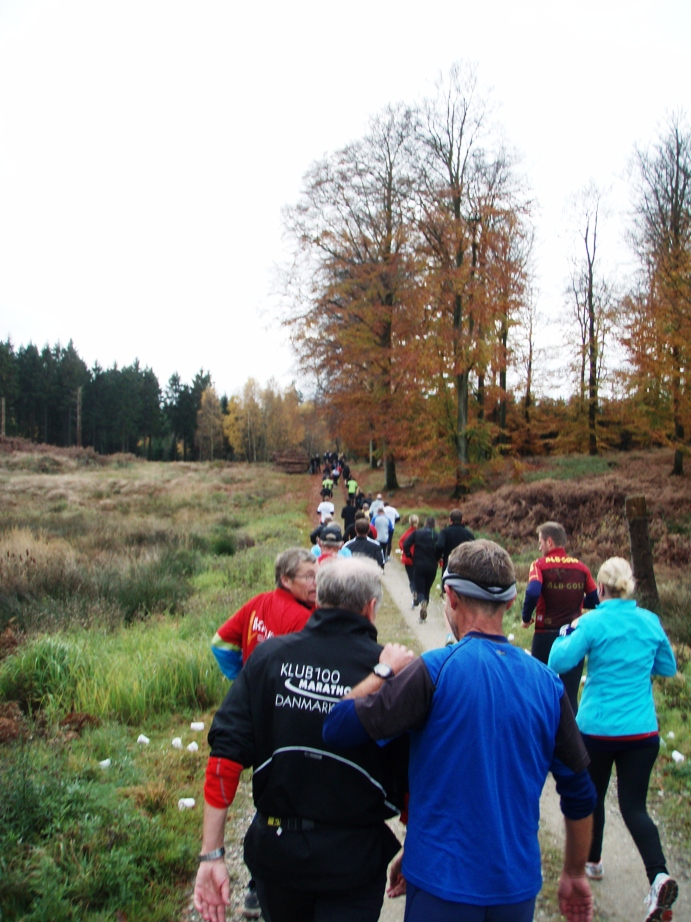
column 308, row 577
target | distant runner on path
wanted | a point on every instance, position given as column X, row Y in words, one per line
column 450, row 537
column 558, row 585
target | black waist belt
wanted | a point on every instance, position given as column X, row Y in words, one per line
column 291, row 823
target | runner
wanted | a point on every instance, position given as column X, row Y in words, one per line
column 558, row 585
column 625, row 645
column 407, row 558
column 421, row 547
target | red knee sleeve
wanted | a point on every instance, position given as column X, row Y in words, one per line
column 222, row 778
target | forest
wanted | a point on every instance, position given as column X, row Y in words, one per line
column 410, row 301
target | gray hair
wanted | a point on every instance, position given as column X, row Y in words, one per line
column 350, row 583
column 288, row 563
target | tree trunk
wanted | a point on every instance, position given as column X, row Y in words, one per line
column 641, row 552
column 462, row 462
column 592, row 371
column 503, row 438
column 678, row 469
column 390, row 471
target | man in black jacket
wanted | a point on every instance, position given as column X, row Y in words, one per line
column 450, row 537
column 420, row 545
column 318, row 846
column 365, row 546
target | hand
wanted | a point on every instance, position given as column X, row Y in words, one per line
column 397, row 656
column 575, row 898
column 397, row 884
column 212, row 890
column 526, row 624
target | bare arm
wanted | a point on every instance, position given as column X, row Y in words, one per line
column 575, row 898
column 212, row 887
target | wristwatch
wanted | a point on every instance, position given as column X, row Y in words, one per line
column 212, row 856
column 384, row 671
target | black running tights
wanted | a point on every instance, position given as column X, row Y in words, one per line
column 633, row 775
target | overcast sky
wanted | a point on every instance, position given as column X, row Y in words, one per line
column 148, row 146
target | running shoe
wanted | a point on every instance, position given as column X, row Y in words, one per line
column 251, row 908
column 594, row 870
column 423, row 610
column 663, row 893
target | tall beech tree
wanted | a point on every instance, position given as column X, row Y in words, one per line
column 472, row 216
column 659, row 309
column 592, row 307
column 352, row 294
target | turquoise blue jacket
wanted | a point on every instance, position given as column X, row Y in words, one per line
column 625, row 645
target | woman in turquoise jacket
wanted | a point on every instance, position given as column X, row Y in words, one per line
column 624, row 645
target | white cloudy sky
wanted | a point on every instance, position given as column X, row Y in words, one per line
column 147, row 147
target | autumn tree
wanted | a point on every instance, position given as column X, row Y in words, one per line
column 209, row 434
column 351, row 291
column 591, row 305
column 471, row 220
column 659, row 308
column 261, row 421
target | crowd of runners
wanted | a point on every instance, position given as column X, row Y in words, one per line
column 343, row 733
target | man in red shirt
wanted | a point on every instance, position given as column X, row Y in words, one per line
column 558, row 587
column 284, row 610
column 281, row 611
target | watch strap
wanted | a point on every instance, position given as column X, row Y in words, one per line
column 384, row 671
column 212, row 856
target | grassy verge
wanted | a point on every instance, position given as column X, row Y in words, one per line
column 113, row 582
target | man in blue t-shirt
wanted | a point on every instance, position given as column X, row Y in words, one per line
column 486, row 725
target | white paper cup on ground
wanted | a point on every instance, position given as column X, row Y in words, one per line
column 197, row 725
column 144, row 740
column 670, row 735
column 510, row 637
column 185, row 803
column 678, row 756
column 177, row 743
column 192, row 747
column 106, row 763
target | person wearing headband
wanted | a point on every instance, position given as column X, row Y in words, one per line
column 486, row 724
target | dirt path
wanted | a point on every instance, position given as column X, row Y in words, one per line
column 619, row 896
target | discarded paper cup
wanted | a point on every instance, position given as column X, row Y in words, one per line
column 678, row 756
column 177, row 743
column 106, row 763
column 670, row 735
column 510, row 637
column 197, row 725
column 185, row 803
column 192, row 747
column 143, row 739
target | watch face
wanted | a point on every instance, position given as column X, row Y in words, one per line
column 383, row 670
